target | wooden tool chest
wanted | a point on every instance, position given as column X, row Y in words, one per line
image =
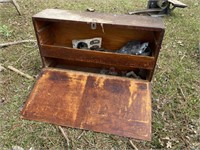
column 71, row 89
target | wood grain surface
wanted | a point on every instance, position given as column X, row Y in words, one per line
column 89, row 101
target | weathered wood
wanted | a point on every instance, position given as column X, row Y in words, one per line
column 89, row 101
column 85, row 66
column 139, row 22
column 103, row 58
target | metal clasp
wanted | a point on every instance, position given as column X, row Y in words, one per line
column 93, row 25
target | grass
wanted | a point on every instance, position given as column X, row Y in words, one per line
column 176, row 83
column 5, row 31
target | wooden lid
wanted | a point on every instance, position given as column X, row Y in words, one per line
column 143, row 22
column 91, row 101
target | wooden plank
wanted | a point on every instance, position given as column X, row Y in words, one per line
column 104, row 58
column 89, row 101
column 143, row 22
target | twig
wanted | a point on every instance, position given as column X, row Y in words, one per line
column 88, row 141
column 14, row 3
column 173, row 115
column 64, row 134
column 20, row 73
column 183, row 56
column 16, row 6
column 133, row 145
column 80, row 135
column 5, row 1
column 181, row 90
column 14, row 43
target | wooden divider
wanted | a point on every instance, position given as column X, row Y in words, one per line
column 104, row 58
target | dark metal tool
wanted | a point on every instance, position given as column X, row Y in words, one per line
column 158, row 8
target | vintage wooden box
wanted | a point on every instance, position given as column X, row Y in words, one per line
column 70, row 91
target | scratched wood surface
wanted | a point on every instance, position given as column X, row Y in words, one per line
column 89, row 101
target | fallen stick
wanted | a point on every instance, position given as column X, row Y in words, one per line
column 133, row 145
column 64, row 134
column 16, row 6
column 15, row 43
column 20, row 73
column 14, row 3
column 181, row 90
column 80, row 135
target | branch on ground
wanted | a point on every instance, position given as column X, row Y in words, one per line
column 15, row 43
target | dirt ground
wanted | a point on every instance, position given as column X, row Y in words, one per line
column 176, row 84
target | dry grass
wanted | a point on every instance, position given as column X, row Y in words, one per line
column 176, row 83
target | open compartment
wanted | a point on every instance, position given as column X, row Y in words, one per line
column 55, row 38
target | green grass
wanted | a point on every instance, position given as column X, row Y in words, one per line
column 176, row 83
column 5, row 31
